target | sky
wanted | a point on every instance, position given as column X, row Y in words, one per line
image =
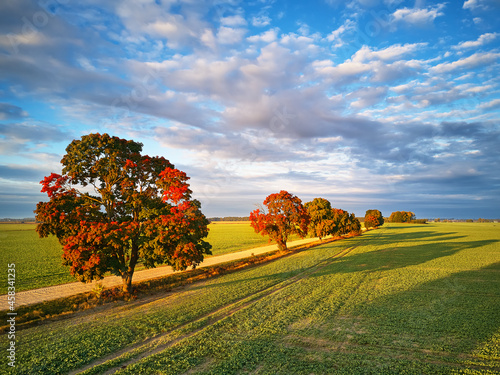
column 372, row 104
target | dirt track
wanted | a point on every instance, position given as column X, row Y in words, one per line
column 33, row 296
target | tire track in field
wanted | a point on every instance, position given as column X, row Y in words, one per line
column 162, row 342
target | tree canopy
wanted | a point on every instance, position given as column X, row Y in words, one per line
column 113, row 207
column 402, row 217
column 285, row 216
column 373, row 219
column 325, row 220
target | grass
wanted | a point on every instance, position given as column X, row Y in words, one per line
column 38, row 260
column 228, row 237
column 420, row 299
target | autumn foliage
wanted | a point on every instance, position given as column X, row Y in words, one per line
column 325, row 220
column 402, row 217
column 285, row 215
column 113, row 207
column 373, row 219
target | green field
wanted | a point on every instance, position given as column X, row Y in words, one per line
column 412, row 299
column 38, row 260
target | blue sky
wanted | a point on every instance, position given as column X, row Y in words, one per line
column 372, row 104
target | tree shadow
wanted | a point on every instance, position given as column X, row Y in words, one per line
column 394, row 257
column 456, row 316
column 383, row 238
column 378, row 260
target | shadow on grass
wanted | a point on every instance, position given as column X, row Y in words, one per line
column 383, row 237
column 457, row 316
column 392, row 257
column 435, row 246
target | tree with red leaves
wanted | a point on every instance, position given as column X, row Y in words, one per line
column 113, row 207
column 285, row 216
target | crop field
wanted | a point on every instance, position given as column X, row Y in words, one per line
column 38, row 260
column 228, row 237
column 413, row 299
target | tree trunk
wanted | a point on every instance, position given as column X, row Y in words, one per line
column 127, row 282
column 127, row 276
column 281, row 245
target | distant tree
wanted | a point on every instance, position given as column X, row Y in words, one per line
column 285, row 216
column 373, row 219
column 113, row 207
column 396, row 217
column 402, row 217
column 326, row 220
column 322, row 221
column 353, row 225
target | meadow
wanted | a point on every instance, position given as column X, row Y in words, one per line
column 413, row 299
column 38, row 260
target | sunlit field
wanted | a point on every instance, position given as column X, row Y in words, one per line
column 414, row 299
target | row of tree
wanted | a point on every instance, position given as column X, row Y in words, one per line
column 402, row 217
column 113, row 207
column 284, row 215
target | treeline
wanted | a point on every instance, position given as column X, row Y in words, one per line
column 405, row 217
column 18, row 221
column 229, row 218
column 283, row 214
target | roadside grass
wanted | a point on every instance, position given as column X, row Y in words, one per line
column 420, row 299
column 38, row 260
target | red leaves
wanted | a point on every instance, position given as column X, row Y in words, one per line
column 130, row 164
column 371, row 221
column 53, row 184
column 175, row 186
column 285, row 216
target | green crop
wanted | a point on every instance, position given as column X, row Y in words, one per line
column 402, row 299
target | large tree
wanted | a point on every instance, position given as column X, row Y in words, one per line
column 373, row 219
column 285, row 216
column 113, row 207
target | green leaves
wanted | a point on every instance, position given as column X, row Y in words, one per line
column 326, row 220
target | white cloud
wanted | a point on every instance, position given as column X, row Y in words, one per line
column 482, row 40
column 261, row 21
column 234, row 21
column 477, row 4
column 208, row 38
column 419, row 17
column 267, row 36
column 492, row 104
column 335, row 36
column 390, row 53
column 155, row 20
column 472, row 61
column 228, row 35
